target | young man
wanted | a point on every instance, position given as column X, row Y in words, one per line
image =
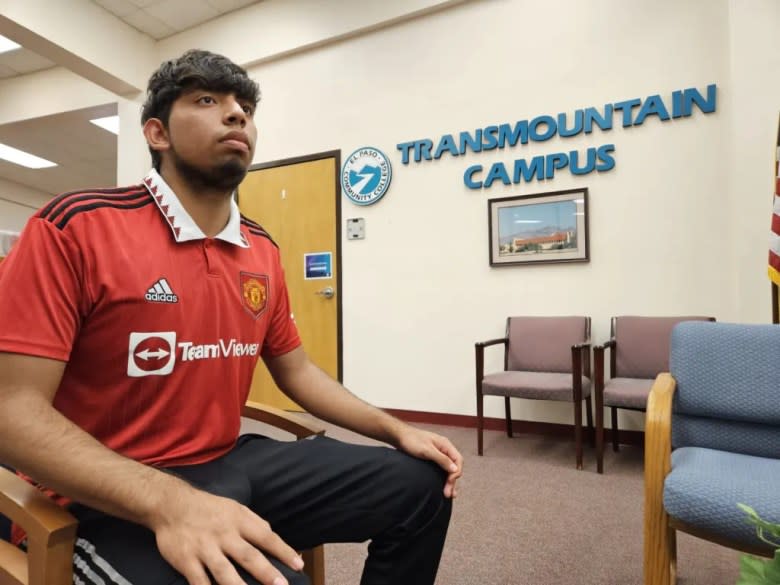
column 119, row 309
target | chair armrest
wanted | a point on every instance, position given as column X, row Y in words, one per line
column 51, row 534
column 41, row 518
column 482, row 344
column 598, row 367
column 598, row 356
column 584, row 351
column 607, row 344
column 479, row 358
column 281, row 419
column 658, row 450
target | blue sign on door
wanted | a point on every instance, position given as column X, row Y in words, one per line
column 317, row 265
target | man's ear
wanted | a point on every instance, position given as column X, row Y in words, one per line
column 156, row 135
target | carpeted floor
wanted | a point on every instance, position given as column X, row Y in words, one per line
column 525, row 516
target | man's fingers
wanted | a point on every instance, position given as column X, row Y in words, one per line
column 255, row 563
column 223, row 570
column 194, row 574
column 258, row 532
column 455, row 464
column 443, row 460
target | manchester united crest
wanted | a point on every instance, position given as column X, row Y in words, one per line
column 254, row 292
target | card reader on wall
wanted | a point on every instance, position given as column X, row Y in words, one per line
column 356, row 228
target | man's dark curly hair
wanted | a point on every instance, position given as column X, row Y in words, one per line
column 195, row 69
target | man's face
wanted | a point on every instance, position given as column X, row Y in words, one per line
column 212, row 138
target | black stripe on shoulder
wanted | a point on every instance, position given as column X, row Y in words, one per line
column 97, row 205
column 251, row 223
column 95, row 192
column 261, row 234
column 116, row 198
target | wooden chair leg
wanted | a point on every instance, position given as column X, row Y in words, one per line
column 508, row 414
column 578, row 431
column 589, row 413
column 314, row 565
column 599, row 433
column 480, row 422
column 615, row 431
column 672, row 556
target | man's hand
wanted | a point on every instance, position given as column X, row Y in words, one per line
column 198, row 531
column 427, row 445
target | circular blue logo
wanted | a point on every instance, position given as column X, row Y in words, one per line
column 366, row 175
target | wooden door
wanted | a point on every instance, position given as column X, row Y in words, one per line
column 297, row 203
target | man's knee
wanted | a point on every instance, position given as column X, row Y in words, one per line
column 418, row 483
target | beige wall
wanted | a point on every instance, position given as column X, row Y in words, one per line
column 17, row 204
column 418, row 291
column 679, row 226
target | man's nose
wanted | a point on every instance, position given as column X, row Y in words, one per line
column 234, row 112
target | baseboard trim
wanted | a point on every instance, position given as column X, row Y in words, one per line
column 518, row 426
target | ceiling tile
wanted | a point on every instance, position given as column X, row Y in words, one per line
column 182, row 14
column 148, row 24
column 24, row 61
column 117, row 7
column 223, row 6
column 93, row 164
column 6, row 72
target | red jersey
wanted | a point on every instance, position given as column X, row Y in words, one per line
column 160, row 326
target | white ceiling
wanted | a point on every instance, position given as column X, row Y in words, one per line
column 162, row 18
column 86, row 154
column 21, row 61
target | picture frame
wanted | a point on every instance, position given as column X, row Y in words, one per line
column 540, row 228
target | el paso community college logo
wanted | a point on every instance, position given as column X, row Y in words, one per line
column 366, row 175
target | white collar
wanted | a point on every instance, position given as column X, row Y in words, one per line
column 182, row 225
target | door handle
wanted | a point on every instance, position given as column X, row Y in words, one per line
column 326, row 292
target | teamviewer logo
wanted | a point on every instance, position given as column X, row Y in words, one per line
column 151, row 354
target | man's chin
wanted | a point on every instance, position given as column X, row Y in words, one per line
column 226, row 175
column 231, row 173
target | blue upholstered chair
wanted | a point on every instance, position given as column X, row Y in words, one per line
column 712, row 440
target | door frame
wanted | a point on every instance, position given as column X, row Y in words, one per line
column 336, row 155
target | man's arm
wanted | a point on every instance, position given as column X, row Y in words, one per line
column 299, row 378
column 195, row 530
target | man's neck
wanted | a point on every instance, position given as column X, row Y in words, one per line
column 209, row 209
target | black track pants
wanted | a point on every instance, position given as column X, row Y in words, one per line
column 313, row 491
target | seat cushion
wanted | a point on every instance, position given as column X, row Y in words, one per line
column 705, row 485
column 535, row 385
column 627, row 392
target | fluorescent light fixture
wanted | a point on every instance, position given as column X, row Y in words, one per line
column 110, row 123
column 7, row 45
column 24, row 159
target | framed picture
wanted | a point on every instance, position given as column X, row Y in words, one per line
column 540, row 228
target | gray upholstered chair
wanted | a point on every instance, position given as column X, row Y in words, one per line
column 639, row 351
column 712, row 440
column 545, row 358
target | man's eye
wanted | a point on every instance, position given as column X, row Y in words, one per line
column 249, row 110
column 206, row 99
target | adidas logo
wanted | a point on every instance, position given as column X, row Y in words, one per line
column 160, row 292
